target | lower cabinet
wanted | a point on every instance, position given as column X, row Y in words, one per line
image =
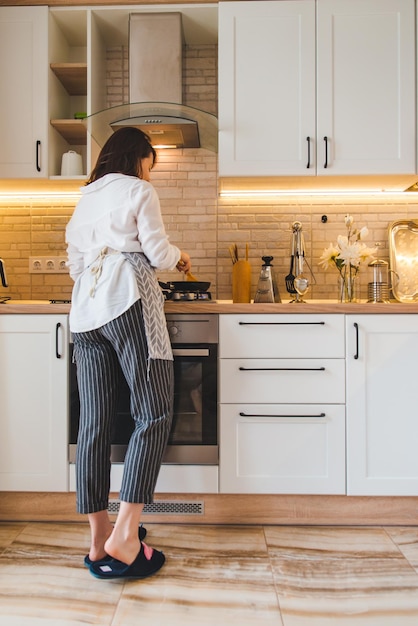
column 34, row 402
column 382, row 405
column 282, row 404
column 290, row 449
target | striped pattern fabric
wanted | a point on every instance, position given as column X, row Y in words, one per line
column 159, row 346
column 102, row 356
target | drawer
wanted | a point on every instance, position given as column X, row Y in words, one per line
column 298, row 449
column 282, row 380
column 282, row 336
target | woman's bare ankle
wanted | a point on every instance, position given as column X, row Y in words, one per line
column 124, row 549
column 98, row 540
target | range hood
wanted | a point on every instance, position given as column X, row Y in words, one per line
column 155, row 90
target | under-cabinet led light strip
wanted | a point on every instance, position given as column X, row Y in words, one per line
column 274, row 193
column 39, row 196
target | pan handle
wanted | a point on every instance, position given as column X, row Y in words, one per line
column 168, row 286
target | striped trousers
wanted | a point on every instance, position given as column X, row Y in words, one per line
column 102, row 356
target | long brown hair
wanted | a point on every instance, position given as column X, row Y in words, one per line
column 122, row 153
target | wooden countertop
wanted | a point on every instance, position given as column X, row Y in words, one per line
column 227, row 306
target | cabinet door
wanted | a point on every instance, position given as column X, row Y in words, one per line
column 366, row 86
column 24, row 92
column 382, row 401
column 266, row 88
column 267, row 448
column 34, row 403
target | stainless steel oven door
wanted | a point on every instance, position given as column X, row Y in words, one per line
column 194, row 434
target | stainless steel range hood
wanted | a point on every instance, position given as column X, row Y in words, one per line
column 165, row 131
column 155, row 85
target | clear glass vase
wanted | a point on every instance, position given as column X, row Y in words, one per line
column 348, row 287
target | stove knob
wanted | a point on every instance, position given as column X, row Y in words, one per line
column 190, row 295
column 173, row 331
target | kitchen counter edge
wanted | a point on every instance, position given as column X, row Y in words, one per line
column 226, row 306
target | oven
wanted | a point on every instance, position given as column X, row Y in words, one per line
column 193, row 437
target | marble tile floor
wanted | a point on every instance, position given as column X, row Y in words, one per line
column 216, row 576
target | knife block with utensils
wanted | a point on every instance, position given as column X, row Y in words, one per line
column 241, row 282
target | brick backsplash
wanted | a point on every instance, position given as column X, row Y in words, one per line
column 267, row 229
column 196, row 218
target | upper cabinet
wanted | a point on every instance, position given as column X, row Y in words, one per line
column 266, row 87
column 366, row 93
column 67, row 85
column 317, row 88
column 24, row 92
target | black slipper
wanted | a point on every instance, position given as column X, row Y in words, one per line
column 148, row 562
column 142, row 533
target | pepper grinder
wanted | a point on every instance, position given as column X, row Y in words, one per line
column 267, row 290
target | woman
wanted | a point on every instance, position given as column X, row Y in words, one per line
column 116, row 239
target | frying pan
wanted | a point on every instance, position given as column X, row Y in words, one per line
column 185, row 285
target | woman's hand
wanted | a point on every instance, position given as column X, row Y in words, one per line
column 184, row 264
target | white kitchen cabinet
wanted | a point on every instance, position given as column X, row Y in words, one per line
column 34, row 403
column 366, row 97
column 24, row 92
column 382, row 401
column 282, row 395
column 317, row 88
column 266, row 87
column 281, row 448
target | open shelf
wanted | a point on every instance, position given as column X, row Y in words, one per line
column 73, row 131
column 73, row 76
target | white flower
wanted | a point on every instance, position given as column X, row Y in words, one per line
column 349, row 252
column 363, row 232
column 328, row 256
column 367, row 253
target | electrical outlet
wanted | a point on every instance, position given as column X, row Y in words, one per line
column 35, row 265
column 48, row 265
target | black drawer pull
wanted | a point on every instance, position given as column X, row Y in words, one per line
column 281, row 323
column 242, row 414
column 308, row 165
column 282, row 369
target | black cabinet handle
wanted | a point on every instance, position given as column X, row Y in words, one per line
column 57, row 328
column 281, row 323
column 281, row 369
column 308, row 165
column 242, row 414
column 326, row 152
column 3, row 274
column 38, row 156
column 356, row 327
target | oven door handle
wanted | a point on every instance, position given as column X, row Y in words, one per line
column 190, row 351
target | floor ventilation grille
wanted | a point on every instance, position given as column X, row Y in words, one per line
column 177, row 507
